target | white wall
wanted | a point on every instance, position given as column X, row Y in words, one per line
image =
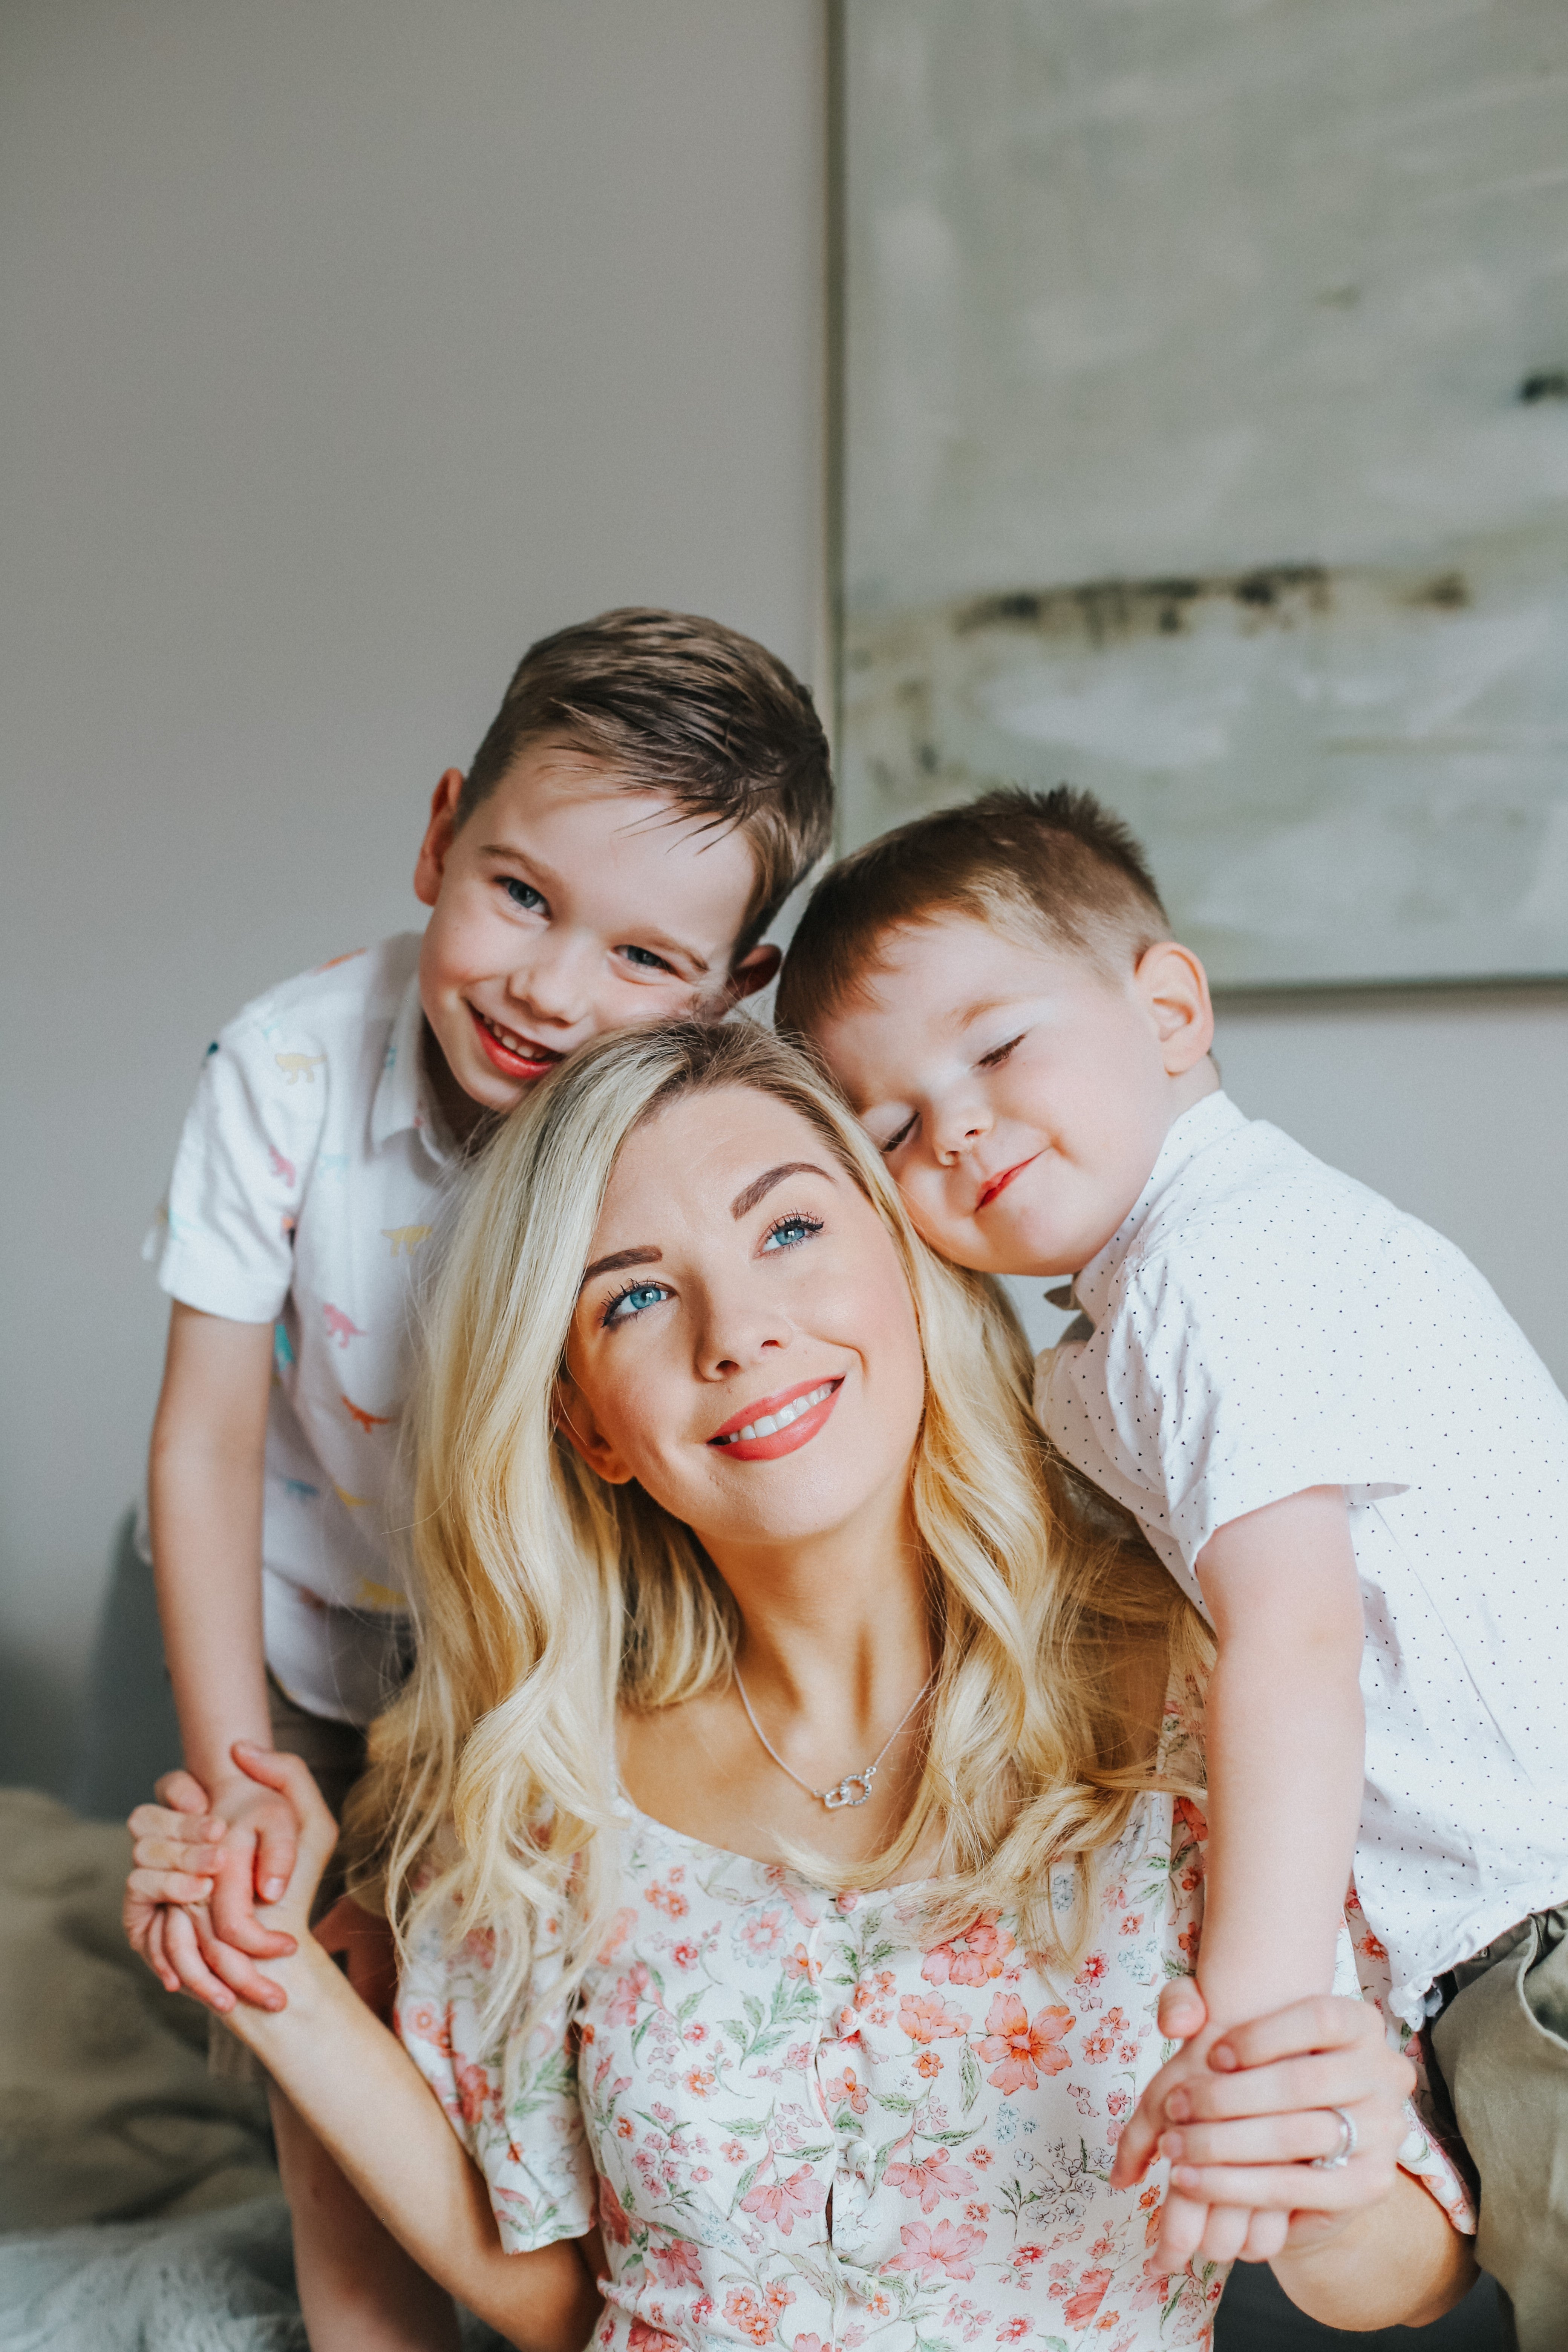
column 350, row 345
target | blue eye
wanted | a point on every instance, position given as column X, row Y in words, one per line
column 790, row 1231
column 524, row 894
column 646, row 959
column 635, row 1300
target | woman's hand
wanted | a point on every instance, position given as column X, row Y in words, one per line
column 177, row 1853
column 1242, row 2135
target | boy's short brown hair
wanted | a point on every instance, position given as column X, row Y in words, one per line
column 682, row 706
column 1055, row 865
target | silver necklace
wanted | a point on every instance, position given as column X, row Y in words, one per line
column 840, row 1793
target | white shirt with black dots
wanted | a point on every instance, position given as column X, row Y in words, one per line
column 1263, row 1324
column 308, row 1189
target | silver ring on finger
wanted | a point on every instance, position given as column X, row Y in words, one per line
column 1346, row 2148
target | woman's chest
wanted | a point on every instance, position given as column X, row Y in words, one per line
column 812, row 2088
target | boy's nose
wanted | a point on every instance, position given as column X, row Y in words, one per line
column 554, row 987
column 959, row 1131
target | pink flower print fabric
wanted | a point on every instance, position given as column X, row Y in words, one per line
column 801, row 2121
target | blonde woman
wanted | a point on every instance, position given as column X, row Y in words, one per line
column 785, row 1902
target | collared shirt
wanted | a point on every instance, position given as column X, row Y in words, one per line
column 309, row 1178
column 1262, row 1324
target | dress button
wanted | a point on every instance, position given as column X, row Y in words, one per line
column 858, row 2156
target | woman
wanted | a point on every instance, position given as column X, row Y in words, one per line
column 781, row 1880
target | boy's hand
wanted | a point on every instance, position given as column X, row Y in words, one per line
column 1190, row 2232
column 260, row 1837
column 180, row 1852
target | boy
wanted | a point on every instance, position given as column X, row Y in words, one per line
column 1336, row 1440
column 651, row 789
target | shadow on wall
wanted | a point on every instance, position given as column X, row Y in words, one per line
column 102, row 1745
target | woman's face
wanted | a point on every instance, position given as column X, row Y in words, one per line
column 745, row 1344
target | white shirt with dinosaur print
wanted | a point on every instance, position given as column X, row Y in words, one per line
column 310, row 1176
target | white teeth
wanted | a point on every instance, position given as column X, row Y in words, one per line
column 523, row 1047
column 769, row 1424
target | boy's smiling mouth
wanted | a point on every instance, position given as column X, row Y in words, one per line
column 514, row 1055
column 778, row 1424
column 1000, row 1184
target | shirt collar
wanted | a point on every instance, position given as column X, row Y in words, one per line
column 403, row 1098
column 1208, row 1119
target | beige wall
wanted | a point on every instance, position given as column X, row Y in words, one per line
column 351, row 344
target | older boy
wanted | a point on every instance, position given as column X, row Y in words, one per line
column 651, row 789
column 1334, row 1437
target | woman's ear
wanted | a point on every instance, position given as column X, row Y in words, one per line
column 1174, row 987
column 575, row 1421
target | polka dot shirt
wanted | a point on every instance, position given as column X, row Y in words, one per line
column 1262, row 1324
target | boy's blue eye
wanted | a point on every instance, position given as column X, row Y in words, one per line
column 635, row 1300
column 646, row 959
column 790, row 1231
column 523, row 894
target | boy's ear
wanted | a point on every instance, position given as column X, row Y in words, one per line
column 439, row 833
column 753, row 971
column 1174, row 987
column 574, row 1420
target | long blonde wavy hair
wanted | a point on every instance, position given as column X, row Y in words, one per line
column 548, row 1598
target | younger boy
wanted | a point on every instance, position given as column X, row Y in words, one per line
column 1343, row 1450
column 651, row 789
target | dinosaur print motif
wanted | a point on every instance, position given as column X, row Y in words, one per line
column 281, row 1167
column 367, row 1421
column 372, row 1595
column 341, row 1326
column 405, row 1238
column 350, row 1502
column 282, row 1347
column 299, row 1066
column 347, row 957
column 302, row 1489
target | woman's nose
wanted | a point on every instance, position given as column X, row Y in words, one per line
column 738, row 1332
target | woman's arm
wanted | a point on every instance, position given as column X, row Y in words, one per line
column 363, row 2097
column 1365, row 2246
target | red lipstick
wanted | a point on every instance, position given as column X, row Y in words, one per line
column 768, row 1444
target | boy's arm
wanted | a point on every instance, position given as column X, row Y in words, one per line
column 1285, row 1739
column 205, row 1482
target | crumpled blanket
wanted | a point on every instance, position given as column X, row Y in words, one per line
column 139, row 2192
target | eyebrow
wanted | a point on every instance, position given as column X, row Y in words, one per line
column 761, row 1186
column 619, row 1258
column 546, row 881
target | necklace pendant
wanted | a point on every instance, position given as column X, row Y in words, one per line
column 834, row 1798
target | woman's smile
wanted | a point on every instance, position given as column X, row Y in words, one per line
column 779, row 1424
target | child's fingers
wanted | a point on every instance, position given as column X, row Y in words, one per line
column 1182, row 2012
column 181, row 1791
column 1182, row 2224
column 157, row 1852
column 1224, row 2233
column 178, row 1829
column 1266, row 2237
column 276, row 1844
column 1135, row 2148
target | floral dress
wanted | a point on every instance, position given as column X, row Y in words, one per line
column 799, row 2123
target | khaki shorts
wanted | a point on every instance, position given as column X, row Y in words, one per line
column 335, row 1753
column 1501, row 2044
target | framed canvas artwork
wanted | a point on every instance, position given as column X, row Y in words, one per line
column 1204, row 441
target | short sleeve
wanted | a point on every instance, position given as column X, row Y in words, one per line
column 224, row 1239
column 1231, row 1396
column 510, row 2094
